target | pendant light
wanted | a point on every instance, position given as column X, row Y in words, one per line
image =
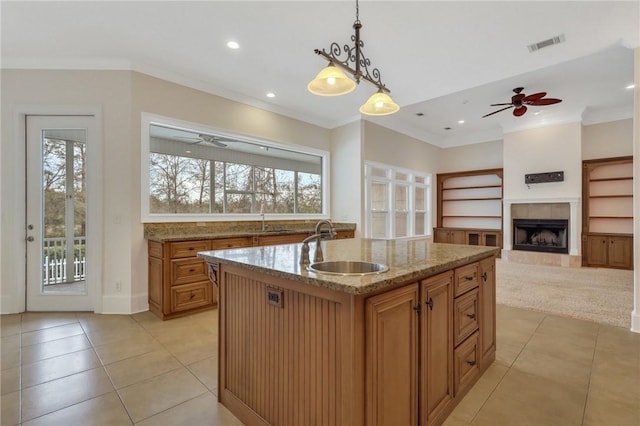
column 332, row 81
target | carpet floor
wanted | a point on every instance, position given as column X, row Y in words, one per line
column 596, row 294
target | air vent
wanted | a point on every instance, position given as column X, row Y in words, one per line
column 546, row 43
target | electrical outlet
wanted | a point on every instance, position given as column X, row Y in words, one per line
column 118, row 286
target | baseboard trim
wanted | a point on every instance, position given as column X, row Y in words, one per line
column 635, row 321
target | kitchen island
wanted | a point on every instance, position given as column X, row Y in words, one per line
column 399, row 347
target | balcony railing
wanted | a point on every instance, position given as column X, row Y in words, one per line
column 56, row 269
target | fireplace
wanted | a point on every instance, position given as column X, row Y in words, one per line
column 545, row 235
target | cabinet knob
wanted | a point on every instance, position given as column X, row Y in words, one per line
column 484, row 276
column 191, row 270
column 472, row 316
column 471, row 363
column 430, row 303
column 469, row 278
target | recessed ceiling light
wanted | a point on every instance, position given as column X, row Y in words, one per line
column 271, row 95
column 188, row 152
column 460, row 121
column 631, row 86
column 233, row 45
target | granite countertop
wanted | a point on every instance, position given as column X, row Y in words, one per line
column 407, row 260
column 166, row 232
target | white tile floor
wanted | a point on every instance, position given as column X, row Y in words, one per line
column 80, row 369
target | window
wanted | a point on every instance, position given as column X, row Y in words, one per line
column 397, row 202
column 195, row 173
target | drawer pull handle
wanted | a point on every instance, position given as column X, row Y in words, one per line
column 484, row 276
column 469, row 277
column 430, row 303
column 192, row 296
column 472, row 316
column 471, row 363
column 191, row 270
column 191, row 249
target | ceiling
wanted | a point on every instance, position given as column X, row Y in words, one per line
column 448, row 60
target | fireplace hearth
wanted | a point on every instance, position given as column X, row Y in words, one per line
column 543, row 235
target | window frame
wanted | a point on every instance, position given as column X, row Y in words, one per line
column 147, row 119
column 392, row 183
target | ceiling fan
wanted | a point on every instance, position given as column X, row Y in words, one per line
column 207, row 140
column 519, row 101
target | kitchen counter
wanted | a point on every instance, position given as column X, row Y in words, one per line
column 400, row 347
column 407, row 260
column 167, row 232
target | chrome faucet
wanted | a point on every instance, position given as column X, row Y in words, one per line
column 318, row 257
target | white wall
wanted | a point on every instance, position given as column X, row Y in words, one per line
column 122, row 96
column 605, row 140
column 386, row 146
column 486, row 155
column 546, row 149
column 346, row 175
column 28, row 91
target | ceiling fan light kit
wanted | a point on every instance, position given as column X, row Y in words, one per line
column 519, row 102
column 332, row 81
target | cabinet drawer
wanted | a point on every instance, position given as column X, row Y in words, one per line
column 188, row 270
column 189, row 248
column 466, row 366
column 466, row 278
column 190, row 296
column 271, row 240
column 465, row 316
column 225, row 243
column 155, row 249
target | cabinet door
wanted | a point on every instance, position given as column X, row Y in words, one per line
column 392, row 357
column 440, row 235
column 155, row 284
column 436, row 347
column 487, row 311
column 458, row 237
column 492, row 239
column 596, row 250
column 620, row 252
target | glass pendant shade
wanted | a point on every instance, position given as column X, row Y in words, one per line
column 331, row 81
column 379, row 104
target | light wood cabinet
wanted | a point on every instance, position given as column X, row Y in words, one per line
column 487, row 311
column 611, row 251
column 454, row 343
column 178, row 282
column 607, row 212
column 450, row 236
column 436, row 380
column 393, row 396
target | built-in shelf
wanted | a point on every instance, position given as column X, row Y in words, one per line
column 607, row 212
column 470, row 207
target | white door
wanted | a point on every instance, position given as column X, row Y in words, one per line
column 56, row 210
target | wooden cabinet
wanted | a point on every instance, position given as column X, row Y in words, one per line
column 607, row 213
column 448, row 338
column 393, row 399
column 178, row 281
column 487, row 311
column 436, row 379
column 451, row 236
column 612, row 251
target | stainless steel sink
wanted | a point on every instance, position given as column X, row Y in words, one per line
column 348, row 267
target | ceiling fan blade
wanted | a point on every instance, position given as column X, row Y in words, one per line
column 495, row 112
column 508, row 103
column 520, row 111
column 534, row 97
column 546, row 101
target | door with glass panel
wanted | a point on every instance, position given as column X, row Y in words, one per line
column 56, row 212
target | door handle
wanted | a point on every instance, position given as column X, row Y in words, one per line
column 30, row 238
